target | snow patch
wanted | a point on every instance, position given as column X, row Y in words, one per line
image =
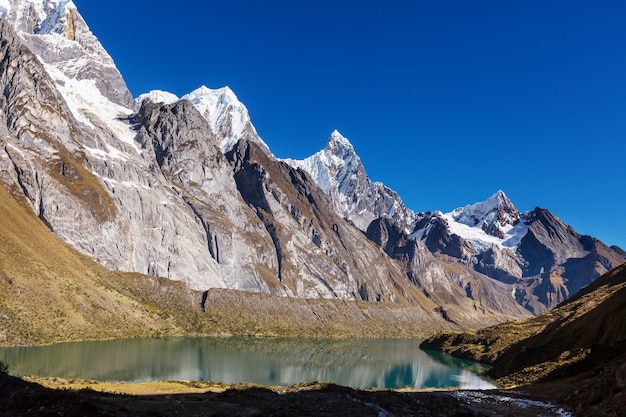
column 56, row 11
column 227, row 116
column 157, row 96
column 84, row 96
column 5, row 5
column 110, row 153
column 482, row 241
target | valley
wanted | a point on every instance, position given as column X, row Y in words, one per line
column 166, row 217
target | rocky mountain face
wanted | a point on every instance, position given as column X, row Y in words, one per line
column 57, row 34
column 228, row 117
column 340, row 174
column 185, row 189
column 540, row 257
column 450, row 284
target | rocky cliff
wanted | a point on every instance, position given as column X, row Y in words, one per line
column 338, row 170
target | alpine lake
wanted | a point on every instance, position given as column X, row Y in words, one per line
column 356, row 363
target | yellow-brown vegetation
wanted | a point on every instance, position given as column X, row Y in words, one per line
column 51, row 293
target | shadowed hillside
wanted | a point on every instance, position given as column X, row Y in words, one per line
column 581, row 344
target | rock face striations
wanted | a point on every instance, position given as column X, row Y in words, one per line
column 186, row 189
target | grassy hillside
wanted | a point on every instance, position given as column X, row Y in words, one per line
column 579, row 347
column 51, row 293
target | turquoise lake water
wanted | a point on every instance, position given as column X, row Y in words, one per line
column 354, row 363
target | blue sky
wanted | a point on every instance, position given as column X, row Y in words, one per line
column 446, row 102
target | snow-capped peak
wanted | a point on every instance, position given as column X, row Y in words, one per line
column 157, row 96
column 339, row 151
column 492, row 215
column 39, row 17
column 223, row 94
column 228, row 117
column 339, row 172
column 338, row 141
column 217, row 105
column 494, row 221
column 332, row 164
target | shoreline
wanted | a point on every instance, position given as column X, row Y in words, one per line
column 193, row 398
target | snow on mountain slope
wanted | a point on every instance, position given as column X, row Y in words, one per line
column 83, row 71
column 495, row 221
column 496, row 215
column 37, row 16
column 157, row 96
column 58, row 35
column 228, row 117
column 334, row 166
column 339, row 172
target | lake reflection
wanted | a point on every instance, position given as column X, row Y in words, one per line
column 353, row 363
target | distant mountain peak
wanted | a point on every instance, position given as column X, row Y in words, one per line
column 495, row 215
column 224, row 94
column 39, row 17
column 495, row 222
column 228, row 117
column 337, row 138
column 339, row 172
column 157, row 96
column 338, row 145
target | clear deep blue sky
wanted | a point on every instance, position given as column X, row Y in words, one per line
column 446, row 102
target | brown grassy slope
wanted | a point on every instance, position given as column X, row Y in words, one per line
column 51, row 293
column 582, row 333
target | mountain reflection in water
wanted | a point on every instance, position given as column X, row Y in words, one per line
column 357, row 363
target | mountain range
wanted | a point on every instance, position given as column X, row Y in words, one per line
column 185, row 189
column 543, row 259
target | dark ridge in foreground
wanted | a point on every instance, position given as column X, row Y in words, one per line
column 577, row 349
column 20, row 397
